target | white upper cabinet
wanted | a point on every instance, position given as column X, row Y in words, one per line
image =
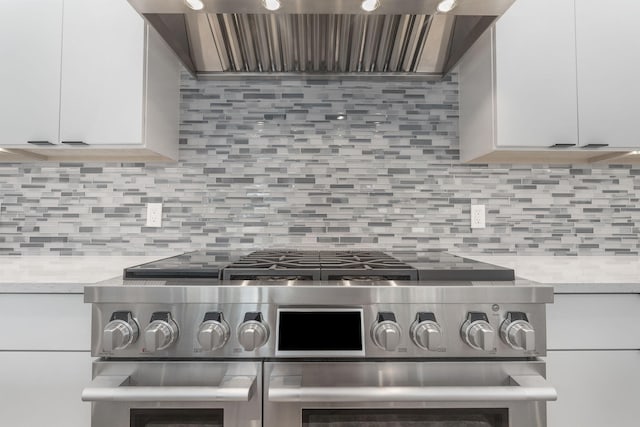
column 85, row 80
column 518, row 93
column 102, row 73
column 535, row 67
column 608, row 41
column 554, row 82
column 30, row 48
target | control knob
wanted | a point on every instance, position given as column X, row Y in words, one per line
column 213, row 332
column 426, row 333
column 478, row 333
column 517, row 332
column 121, row 331
column 253, row 333
column 161, row 333
column 386, row 332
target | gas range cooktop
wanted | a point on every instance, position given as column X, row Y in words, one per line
column 360, row 266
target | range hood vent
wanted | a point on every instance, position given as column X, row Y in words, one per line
column 232, row 37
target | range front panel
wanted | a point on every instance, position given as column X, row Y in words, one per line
column 205, row 331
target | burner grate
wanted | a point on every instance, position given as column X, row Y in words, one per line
column 319, row 265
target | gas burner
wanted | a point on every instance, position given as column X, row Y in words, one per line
column 274, row 278
column 367, row 279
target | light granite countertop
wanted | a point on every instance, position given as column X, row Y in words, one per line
column 54, row 274
column 581, row 274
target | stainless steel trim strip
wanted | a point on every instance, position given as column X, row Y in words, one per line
column 262, row 42
column 246, row 34
column 323, row 293
column 284, row 23
column 231, row 35
column 371, row 42
column 318, row 41
column 344, row 42
column 524, row 389
column 218, row 38
column 410, row 7
column 201, row 42
column 386, row 38
column 331, row 47
column 414, row 42
column 275, row 46
column 398, row 43
column 357, row 37
column 111, row 389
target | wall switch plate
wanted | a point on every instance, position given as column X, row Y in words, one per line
column 154, row 214
column 477, row 216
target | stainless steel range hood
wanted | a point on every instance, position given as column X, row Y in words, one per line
column 240, row 37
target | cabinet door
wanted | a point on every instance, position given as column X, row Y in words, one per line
column 66, row 316
column 593, row 322
column 536, row 74
column 102, row 73
column 595, row 388
column 608, row 69
column 30, row 46
column 44, row 388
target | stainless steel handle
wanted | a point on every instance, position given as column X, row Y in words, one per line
column 115, row 389
column 522, row 388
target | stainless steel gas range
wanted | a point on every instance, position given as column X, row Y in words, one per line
column 319, row 339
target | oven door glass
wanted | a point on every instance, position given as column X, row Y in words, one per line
column 467, row 417
column 177, row 418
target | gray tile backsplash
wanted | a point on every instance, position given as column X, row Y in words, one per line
column 318, row 163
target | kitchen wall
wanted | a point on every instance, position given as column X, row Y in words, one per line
column 309, row 163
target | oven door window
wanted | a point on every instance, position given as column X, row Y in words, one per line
column 176, row 418
column 405, row 417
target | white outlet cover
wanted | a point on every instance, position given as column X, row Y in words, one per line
column 154, row 214
column 478, row 216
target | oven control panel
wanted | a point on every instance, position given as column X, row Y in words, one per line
column 269, row 330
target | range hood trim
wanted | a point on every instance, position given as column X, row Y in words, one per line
column 329, row 7
column 252, row 40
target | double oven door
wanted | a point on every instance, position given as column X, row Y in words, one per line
column 319, row 394
column 406, row 394
column 175, row 394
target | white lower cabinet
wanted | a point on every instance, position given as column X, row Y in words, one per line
column 45, row 322
column 595, row 388
column 43, row 389
column 45, row 360
column 594, row 360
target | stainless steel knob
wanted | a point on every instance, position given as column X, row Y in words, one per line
column 386, row 332
column 161, row 333
column 118, row 335
column 427, row 335
column 478, row 333
column 213, row 332
column 517, row 332
column 252, row 335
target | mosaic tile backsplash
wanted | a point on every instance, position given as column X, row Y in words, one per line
column 318, row 163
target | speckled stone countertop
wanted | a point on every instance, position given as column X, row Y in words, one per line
column 53, row 274
column 580, row 274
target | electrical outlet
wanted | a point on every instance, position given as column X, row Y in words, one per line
column 154, row 214
column 477, row 216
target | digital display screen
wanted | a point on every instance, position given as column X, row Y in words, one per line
column 320, row 331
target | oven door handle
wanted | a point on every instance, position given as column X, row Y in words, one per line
column 117, row 389
column 521, row 388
